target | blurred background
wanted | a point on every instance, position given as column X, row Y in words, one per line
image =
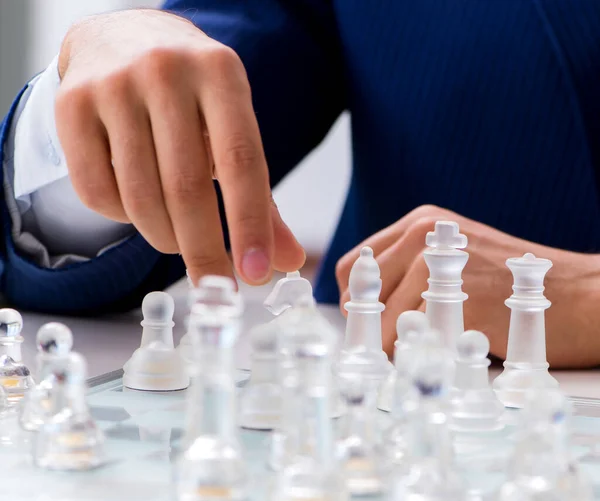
column 310, row 198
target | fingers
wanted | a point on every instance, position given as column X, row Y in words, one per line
column 84, row 141
column 406, row 296
column 136, row 171
column 289, row 255
column 240, row 165
column 186, row 180
column 394, row 262
column 387, row 237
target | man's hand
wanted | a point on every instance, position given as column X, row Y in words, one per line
column 572, row 284
column 150, row 110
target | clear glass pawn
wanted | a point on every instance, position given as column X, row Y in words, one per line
column 261, row 398
column 363, row 463
column 69, row 439
column 212, row 466
column 432, row 473
column 542, row 467
column 310, row 470
column 305, row 314
column 409, row 324
column 54, row 341
column 474, row 404
column 15, row 378
column 403, row 398
column 11, row 326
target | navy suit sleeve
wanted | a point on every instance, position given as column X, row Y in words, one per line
column 292, row 62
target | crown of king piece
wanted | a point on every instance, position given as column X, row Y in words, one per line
column 446, row 235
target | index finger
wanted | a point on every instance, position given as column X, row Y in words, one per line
column 241, row 169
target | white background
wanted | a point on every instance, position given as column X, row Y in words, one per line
column 310, row 198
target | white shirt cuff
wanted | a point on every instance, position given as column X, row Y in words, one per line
column 49, row 209
column 38, row 156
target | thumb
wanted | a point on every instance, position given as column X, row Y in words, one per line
column 289, row 254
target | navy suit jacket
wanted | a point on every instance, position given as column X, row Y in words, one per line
column 488, row 108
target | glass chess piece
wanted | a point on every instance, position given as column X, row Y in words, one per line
column 304, row 315
column 431, row 473
column 444, row 297
column 156, row 365
column 408, row 324
column 525, row 366
column 542, row 467
column 260, row 399
column 69, row 439
column 54, row 341
column 211, row 466
column 15, row 378
column 309, row 470
column 362, row 347
column 11, row 325
column 364, row 464
column 474, row 404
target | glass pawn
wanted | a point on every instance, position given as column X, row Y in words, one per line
column 15, row 378
column 261, row 398
column 403, row 397
column 212, row 466
column 11, row 325
column 305, row 314
column 542, row 467
column 54, row 341
column 363, row 463
column 408, row 324
column 310, row 470
column 69, row 439
column 432, row 473
column 474, row 404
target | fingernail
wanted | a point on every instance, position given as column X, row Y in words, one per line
column 256, row 265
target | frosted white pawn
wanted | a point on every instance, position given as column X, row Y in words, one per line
column 362, row 349
column 474, row 406
column 11, row 325
column 526, row 366
column 155, row 367
column 69, row 439
column 54, row 340
column 409, row 323
column 157, row 325
column 261, row 398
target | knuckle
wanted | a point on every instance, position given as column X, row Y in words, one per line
column 114, row 86
column 423, row 224
column 97, row 197
column 160, row 66
column 185, row 187
column 222, row 59
column 251, row 221
column 240, row 154
column 72, row 101
column 204, row 261
column 225, row 67
column 427, row 210
column 138, row 198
